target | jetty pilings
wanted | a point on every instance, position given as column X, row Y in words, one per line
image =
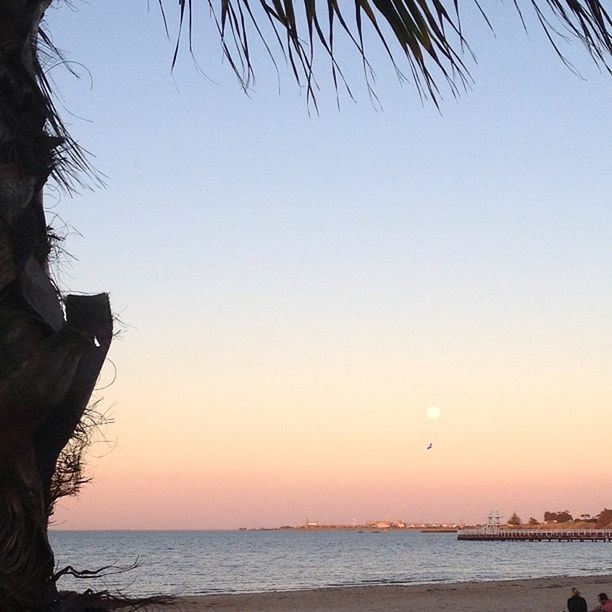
column 536, row 535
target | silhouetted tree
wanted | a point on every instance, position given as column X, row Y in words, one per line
column 604, row 518
column 52, row 348
column 562, row 516
column 514, row 520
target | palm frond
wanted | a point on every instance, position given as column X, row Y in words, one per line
column 586, row 20
column 423, row 38
column 69, row 164
column 426, row 33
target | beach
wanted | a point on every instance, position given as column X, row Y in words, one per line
column 535, row 595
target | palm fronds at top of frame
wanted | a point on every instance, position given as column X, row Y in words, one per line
column 428, row 33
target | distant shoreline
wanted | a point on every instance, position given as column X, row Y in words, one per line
column 249, row 529
column 424, row 527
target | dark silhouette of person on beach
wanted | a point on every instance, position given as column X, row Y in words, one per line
column 576, row 603
column 605, row 604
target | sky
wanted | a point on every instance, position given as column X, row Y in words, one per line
column 295, row 289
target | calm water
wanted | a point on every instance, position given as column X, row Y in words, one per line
column 197, row 562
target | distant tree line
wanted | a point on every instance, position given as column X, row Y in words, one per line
column 562, row 516
column 603, row 519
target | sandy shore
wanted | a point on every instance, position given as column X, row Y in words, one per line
column 534, row 595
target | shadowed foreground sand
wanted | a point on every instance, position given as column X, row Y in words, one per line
column 534, row 595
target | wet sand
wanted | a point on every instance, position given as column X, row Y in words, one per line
column 533, row 595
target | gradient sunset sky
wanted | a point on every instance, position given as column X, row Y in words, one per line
column 297, row 289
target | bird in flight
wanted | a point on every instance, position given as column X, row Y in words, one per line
column 430, row 446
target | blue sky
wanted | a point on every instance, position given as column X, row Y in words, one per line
column 244, row 235
column 509, row 182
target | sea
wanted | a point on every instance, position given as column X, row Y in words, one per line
column 205, row 562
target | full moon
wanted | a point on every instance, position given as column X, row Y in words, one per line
column 433, row 412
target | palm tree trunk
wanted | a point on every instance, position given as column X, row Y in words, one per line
column 50, row 356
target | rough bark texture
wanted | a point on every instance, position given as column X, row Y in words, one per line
column 49, row 361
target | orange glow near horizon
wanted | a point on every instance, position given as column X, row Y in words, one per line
column 350, row 446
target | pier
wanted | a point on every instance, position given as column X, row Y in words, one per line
column 535, row 535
